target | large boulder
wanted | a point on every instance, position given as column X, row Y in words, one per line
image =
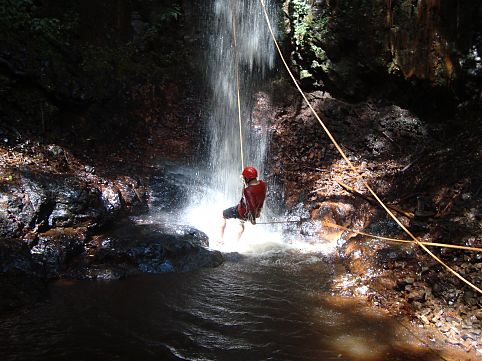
column 128, row 249
column 54, row 250
column 33, row 202
column 132, row 249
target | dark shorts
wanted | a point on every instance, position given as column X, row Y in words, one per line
column 231, row 213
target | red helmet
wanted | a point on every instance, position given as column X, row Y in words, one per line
column 250, row 173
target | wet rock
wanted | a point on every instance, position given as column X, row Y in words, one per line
column 394, row 252
column 22, row 205
column 75, row 203
column 111, row 198
column 104, row 273
column 56, row 215
column 55, row 249
column 39, row 201
column 190, row 234
column 133, row 193
column 134, row 249
column 15, row 257
column 333, row 213
column 167, row 192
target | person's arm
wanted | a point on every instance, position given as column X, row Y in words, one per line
column 251, row 206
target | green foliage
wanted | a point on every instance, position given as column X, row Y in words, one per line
column 308, row 29
column 110, row 68
column 172, row 13
column 15, row 14
column 166, row 14
column 392, row 67
column 305, row 74
column 302, row 20
column 126, row 60
column 45, row 26
column 310, row 33
column 18, row 18
column 51, row 48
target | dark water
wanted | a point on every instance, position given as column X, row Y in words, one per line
column 275, row 307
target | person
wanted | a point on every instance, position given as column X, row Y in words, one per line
column 251, row 203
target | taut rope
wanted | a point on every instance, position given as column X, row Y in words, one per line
column 359, row 176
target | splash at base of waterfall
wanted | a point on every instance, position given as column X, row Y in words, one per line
column 259, row 239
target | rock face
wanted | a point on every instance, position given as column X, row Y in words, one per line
column 353, row 48
column 46, row 218
column 50, row 223
column 34, row 202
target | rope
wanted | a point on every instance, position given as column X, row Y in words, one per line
column 359, row 176
column 277, row 222
column 444, row 245
column 333, row 225
column 236, row 66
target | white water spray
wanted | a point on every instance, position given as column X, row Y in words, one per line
column 251, row 59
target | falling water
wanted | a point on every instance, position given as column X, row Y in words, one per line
column 239, row 45
column 251, row 58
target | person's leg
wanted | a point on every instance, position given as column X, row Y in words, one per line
column 240, row 231
column 227, row 213
column 221, row 229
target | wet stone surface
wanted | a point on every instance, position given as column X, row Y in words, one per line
column 408, row 284
column 128, row 250
column 133, row 249
column 427, row 170
column 34, row 201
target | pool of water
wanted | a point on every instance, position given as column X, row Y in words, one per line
column 275, row 306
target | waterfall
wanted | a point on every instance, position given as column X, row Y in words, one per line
column 251, row 59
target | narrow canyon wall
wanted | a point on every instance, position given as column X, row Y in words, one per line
column 359, row 47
